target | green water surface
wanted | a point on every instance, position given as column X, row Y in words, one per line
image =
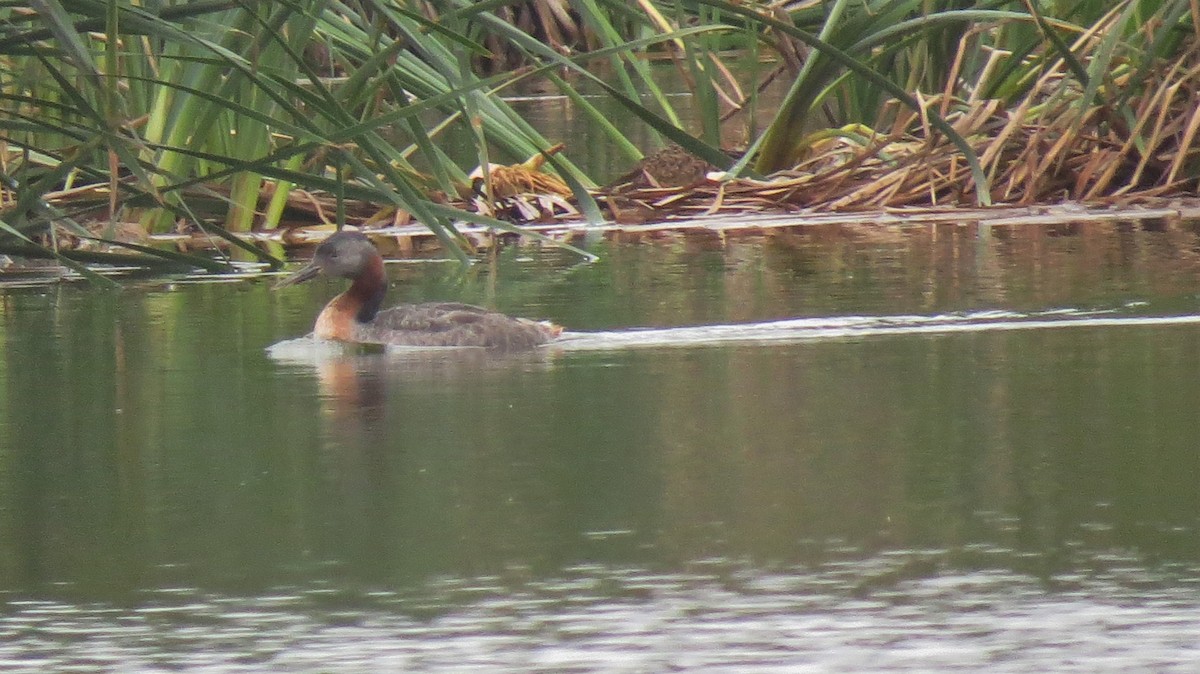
column 153, row 457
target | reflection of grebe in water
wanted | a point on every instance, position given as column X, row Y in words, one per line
column 355, row 316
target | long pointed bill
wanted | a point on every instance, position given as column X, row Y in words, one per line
column 305, row 274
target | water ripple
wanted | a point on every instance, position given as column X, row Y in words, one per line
column 794, row 621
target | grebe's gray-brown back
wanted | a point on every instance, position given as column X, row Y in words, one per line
column 355, row 316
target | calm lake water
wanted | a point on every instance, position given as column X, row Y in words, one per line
column 978, row 450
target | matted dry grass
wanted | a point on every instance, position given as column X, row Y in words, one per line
column 1048, row 150
column 1045, row 152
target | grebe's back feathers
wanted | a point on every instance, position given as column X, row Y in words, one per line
column 455, row 324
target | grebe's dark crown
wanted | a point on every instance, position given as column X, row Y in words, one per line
column 344, row 254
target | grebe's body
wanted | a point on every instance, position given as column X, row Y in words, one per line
column 355, row 316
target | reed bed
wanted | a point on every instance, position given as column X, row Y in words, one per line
column 221, row 117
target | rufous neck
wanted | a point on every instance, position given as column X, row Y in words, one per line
column 368, row 289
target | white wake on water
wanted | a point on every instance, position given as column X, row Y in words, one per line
column 778, row 331
column 849, row 327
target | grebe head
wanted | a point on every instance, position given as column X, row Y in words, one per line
column 344, row 254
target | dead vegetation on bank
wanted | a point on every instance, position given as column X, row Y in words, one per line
column 963, row 106
column 1047, row 150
